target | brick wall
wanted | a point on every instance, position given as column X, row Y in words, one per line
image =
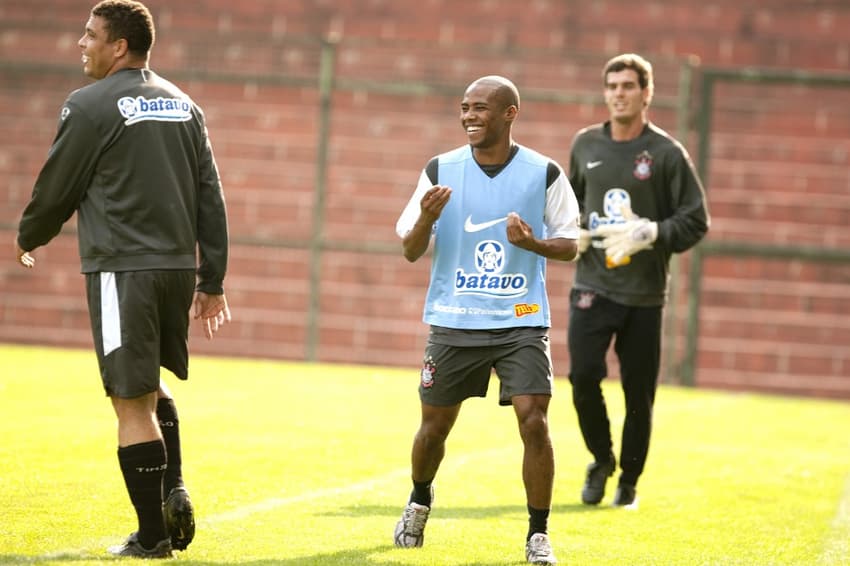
column 778, row 169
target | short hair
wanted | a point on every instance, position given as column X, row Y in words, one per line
column 130, row 20
column 635, row 62
column 504, row 91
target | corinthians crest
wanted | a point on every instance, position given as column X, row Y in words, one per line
column 643, row 166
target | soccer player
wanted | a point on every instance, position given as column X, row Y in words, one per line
column 496, row 211
column 641, row 201
column 131, row 156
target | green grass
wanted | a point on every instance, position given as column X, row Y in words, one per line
column 292, row 463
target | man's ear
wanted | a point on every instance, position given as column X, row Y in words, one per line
column 647, row 97
column 120, row 48
column 511, row 112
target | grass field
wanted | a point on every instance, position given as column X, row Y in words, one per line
column 292, row 463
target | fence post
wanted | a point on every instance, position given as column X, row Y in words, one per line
column 326, row 87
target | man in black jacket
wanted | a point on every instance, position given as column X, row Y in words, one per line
column 641, row 201
column 131, row 156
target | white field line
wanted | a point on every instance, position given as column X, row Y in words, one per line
column 271, row 503
column 837, row 547
column 240, row 513
column 276, row 502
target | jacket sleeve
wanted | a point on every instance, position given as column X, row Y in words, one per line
column 576, row 178
column 212, row 224
column 61, row 185
column 688, row 219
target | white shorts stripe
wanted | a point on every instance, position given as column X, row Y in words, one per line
column 110, row 315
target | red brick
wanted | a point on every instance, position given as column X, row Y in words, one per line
column 778, row 173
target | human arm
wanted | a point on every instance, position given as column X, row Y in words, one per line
column 679, row 221
column 415, row 242
column 210, row 304
column 521, row 235
column 688, row 220
column 576, row 180
column 560, row 217
column 415, row 226
column 583, row 242
column 212, row 225
column 61, row 183
column 623, row 240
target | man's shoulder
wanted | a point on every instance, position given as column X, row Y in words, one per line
column 662, row 141
column 86, row 102
column 167, row 86
column 453, row 156
column 532, row 154
column 593, row 131
column 660, row 135
column 539, row 160
column 95, row 97
column 124, row 82
column 457, row 154
column 88, row 96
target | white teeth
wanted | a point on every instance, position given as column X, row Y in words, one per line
column 472, row 129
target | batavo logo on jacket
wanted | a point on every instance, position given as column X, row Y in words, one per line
column 160, row 109
column 490, row 281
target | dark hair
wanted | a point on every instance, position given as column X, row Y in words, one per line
column 635, row 62
column 130, row 20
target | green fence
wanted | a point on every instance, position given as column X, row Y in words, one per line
column 710, row 79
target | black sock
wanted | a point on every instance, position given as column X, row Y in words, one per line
column 538, row 521
column 166, row 413
column 421, row 493
column 143, row 465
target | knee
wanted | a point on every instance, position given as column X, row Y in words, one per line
column 534, row 427
column 585, row 391
column 433, row 432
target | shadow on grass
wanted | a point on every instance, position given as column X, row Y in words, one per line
column 458, row 512
column 359, row 557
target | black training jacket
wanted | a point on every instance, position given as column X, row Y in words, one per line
column 132, row 157
column 654, row 174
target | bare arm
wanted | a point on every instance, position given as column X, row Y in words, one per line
column 415, row 242
column 521, row 235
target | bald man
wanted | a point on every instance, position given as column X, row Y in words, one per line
column 495, row 211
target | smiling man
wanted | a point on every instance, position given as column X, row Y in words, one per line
column 132, row 158
column 641, row 201
column 496, row 211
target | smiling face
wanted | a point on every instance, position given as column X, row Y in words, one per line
column 625, row 98
column 486, row 115
column 100, row 55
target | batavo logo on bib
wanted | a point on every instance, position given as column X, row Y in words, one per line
column 489, row 281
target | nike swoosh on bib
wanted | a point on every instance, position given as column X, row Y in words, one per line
column 470, row 226
column 593, row 164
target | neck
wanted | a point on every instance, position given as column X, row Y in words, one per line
column 128, row 62
column 625, row 131
column 494, row 155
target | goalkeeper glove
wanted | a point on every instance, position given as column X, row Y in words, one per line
column 621, row 241
column 582, row 243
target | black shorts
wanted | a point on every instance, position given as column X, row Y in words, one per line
column 140, row 321
column 451, row 374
